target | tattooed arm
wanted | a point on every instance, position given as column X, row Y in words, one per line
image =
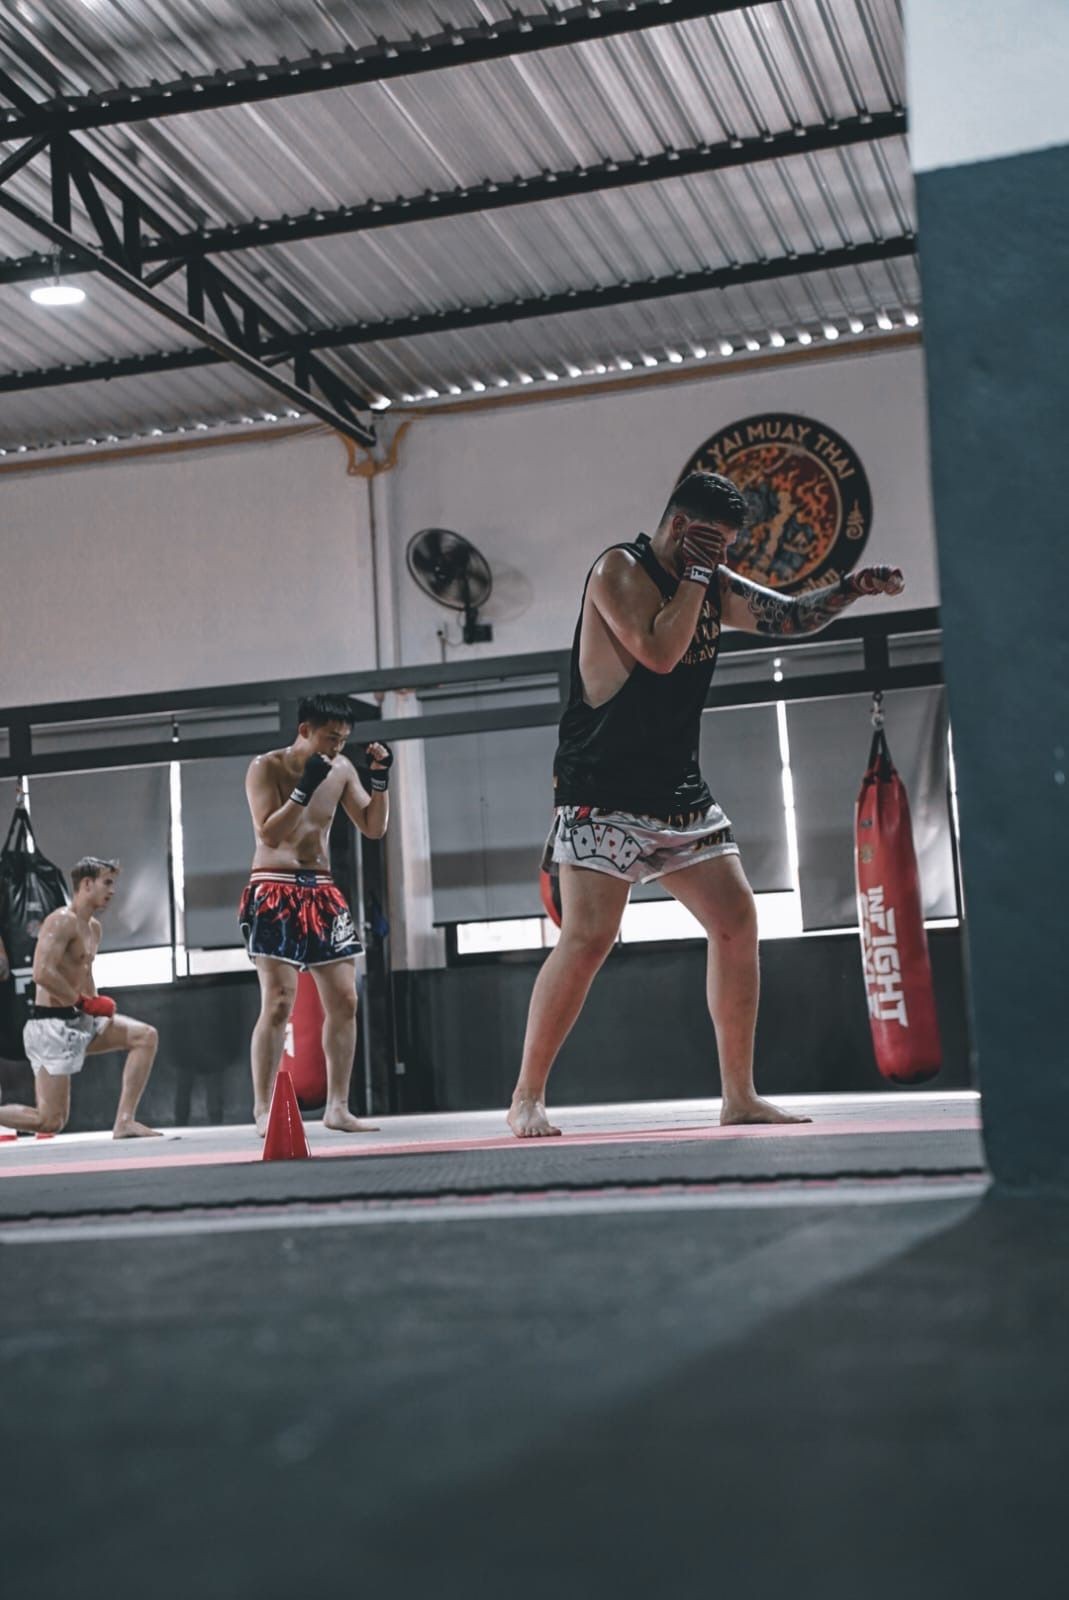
column 755, row 609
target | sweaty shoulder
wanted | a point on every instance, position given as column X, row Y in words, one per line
column 618, row 571
column 267, row 763
column 60, row 922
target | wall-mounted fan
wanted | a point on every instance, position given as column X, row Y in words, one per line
column 450, row 569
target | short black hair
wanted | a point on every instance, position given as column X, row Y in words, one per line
column 709, row 496
column 92, row 867
column 319, row 709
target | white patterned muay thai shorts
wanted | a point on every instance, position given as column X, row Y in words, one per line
column 636, row 848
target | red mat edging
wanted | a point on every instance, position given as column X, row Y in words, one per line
column 958, row 1122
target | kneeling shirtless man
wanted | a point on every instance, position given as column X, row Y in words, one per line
column 69, row 1020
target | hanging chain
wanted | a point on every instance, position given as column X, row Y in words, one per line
column 877, row 709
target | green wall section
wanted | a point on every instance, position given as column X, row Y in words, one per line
column 995, row 272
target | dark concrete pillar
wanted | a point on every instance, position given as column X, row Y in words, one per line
column 990, row 145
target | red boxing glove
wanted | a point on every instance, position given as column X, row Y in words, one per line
column 96, row 1005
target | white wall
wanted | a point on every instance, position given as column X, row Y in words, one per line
column 541, row 489
column 986, row 79
column 204, row 567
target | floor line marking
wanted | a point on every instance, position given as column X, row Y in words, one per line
column 376, row 1214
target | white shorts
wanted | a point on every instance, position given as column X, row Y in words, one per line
column 636, row 848
column 58, row 1044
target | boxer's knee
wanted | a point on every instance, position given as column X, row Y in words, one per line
column 734, row 919
column 340, row 1007
column 277, row 1007
column 587, row 945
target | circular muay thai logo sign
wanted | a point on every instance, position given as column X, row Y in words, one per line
column 808, row 502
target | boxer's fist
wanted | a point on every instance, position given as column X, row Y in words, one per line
column 876, row 580
column 96, row 1005
column 316, row 769
column 379, row 758
column 702, row 553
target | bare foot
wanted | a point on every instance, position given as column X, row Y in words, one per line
column 527, row 1119
column 129, row 1129
column 734, row 1113
column 340, row 1120
column 261, row 1119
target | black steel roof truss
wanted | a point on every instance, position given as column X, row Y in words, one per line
column 20, row 157
column 237, row 313
column 464, row 317
column 493, row 195
column 518, row 34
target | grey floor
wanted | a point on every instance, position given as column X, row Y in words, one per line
column 854, row 1390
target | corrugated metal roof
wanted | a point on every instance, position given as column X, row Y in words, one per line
column 755, row 71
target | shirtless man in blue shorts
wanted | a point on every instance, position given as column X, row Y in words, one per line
column 292, row 914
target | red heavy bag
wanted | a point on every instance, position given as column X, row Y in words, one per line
column 549, row 889
column 302, row 1054
column 894, row 946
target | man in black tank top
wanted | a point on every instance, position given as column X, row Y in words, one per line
column 631, row 802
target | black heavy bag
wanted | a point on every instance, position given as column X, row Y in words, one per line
column 894, row 945
column 31, row 886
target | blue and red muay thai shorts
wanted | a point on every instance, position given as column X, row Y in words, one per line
column 298, row 917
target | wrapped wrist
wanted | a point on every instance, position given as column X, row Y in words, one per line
column 695, row 572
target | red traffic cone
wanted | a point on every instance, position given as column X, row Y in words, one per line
column 286, row 1139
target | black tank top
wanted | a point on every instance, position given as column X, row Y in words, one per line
column 639, row 751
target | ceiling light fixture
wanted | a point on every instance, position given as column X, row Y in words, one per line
column 776, row 340
column 910, row 318
column 856, row 325
column 57, row 293
column 883, row 321
column 726, row 349
column 830, row 331
column 804, row 337
column 700, row 352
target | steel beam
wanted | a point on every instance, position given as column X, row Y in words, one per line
column 380, row 62
column 487, row 671
column 15, row 163
column 492, row 196
column 219, row 349
column 117, row 258
column 455, row 724
column 463, row 317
